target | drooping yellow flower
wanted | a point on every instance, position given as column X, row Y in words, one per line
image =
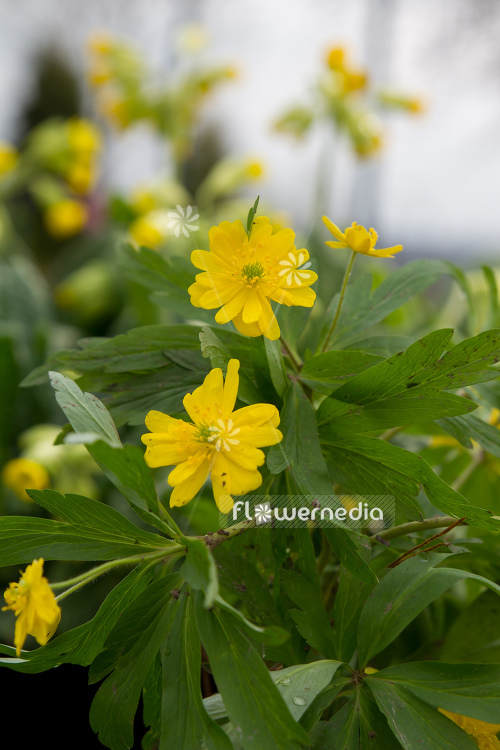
column 360, row 240
column 242, row 274
column 8, row 158
column 151, row 230
column 34, row 605
column 65, row 218
column 483, row 733
column 21, row 474
column 219, row 441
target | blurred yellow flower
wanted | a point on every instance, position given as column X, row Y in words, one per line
column 150, row 230
column 192, row 38
column 8, row 158
column 219, row 442
column 65, row 218
column 143, row 201
column 116, row 109
column 21, row 474
column 34, row 605
column 254, row 169
column 242, row 275
column 80, row 177
column 359, row 240
column 483, row 733
column 83, row 136
column 348, row 78
column 100, row 43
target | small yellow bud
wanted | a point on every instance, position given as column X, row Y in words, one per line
column 21, row 474
column 65, row 218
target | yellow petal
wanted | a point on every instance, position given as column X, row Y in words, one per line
column 226, row 238
column 282, row 243
column 233, row 306
column 218, row 296
column 188, row 480
column 166, row 455
column 260, row 436
column 335, row 231
column 256, row 415
column 387, row 252
column 207, row 397
column 209, row 262
column 302, row 296
column 267, row 321
column 253, row 307
column 247, row 329
column 156, row 421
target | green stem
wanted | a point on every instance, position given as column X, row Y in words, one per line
column 79, row 581
column 341, row 299
column 468, row 471
column 413, row 526
column 213, row 539
column 296, row 365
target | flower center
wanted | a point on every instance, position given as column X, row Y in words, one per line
column 220, row 435
column 253, row 271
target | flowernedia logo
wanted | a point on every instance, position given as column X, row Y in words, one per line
column 183, row 220
column 376, row 512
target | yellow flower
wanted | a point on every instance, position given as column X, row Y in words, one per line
column 21, row 474
column 483, row 733
column 34, row 606
column 65, row 218
column 80, row 177
column 348, row 79
column 8, row 158
column 254, row 169
column 151, row 229
column 100, row 43
column 219, row 442
column 360, row 240
column 83, row 136
column 242, row 274
column 143, row 201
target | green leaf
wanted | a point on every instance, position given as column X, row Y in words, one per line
column 469, row 426
column 82, row 644
column 299, row 685
column 111, row 536
column 491, row 281
column 131, row 648
column 85, row 412
column 349, row 601
column 323, row 372
column 474, row 637
column 363, row 308
column 256, row 708
column 126, row 468
column 276, row 366
column 366, row 465
column 300, row 447
column 400, row 596
column 420, row 371
column 185, row 723
column 311, row 619
column 373, row 726
column 212, row 348
column 468, row 689
column 251, row 215
column 151, row 699
column 199, row 569
column 348, row 547
column 415, row 724
column 342, row 731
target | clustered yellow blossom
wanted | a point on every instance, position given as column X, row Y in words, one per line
column 242, row 274
column 219, row 442
column 483, row 733
column 359, row 240
column 65, row 218
column 85, row 144
column 34, row 605
column 21, row 474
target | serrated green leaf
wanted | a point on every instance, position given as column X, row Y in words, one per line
column 349, row 601
column 323, row 372
column 199, row 569
column 417, row 725
column 311, row 618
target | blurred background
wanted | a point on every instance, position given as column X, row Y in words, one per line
column 149, row 121
column 435, row 188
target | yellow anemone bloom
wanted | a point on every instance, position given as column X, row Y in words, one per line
column 483, row 733
column 219, row 442
column 34, row 605
column 21, row 474
column 65, row 218
column 242, row 274
column 360, row 240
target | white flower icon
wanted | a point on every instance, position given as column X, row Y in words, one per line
column 263, row 513
column 224, row 436
column 183, row 220
column 293, row 270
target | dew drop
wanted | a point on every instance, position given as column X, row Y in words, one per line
column 299, row 701
column 285, row 681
